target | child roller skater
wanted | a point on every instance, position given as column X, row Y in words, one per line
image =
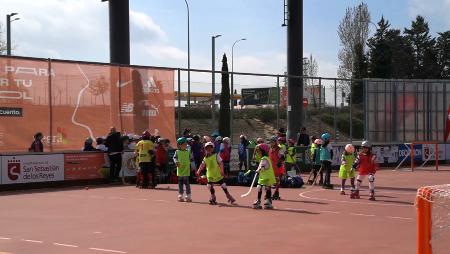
column 315, row 161
column 326, row 156
column 144, row 152
column 291, row 159
column 346, row 170
column 182, row 159
column 266, row 178
column 365, row 163
column 276, row 157
column 214, row 173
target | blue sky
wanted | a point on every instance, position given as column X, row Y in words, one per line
column 78, row 29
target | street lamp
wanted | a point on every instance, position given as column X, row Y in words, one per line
column 213, row 92
column 232, row 87
column 8, row 31
column 189, row 58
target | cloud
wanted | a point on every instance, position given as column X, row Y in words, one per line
column 436, row 9
column 143, row 28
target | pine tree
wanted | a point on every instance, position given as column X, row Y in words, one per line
column 443, row 54
column 380, row 52
column 224, row 112
column 424, row 50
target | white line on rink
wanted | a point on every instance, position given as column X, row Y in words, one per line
column 329, row 212
column 106, row 250
column 32, row 241
column 5, row 238
column 400, row 218
column 361, row 214
column 141, row 199
column 65, row 245
column 349, row 202
column 160, row 200
column 115, row 198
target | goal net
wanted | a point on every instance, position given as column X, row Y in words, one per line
column 433, row 219
column 427, row 151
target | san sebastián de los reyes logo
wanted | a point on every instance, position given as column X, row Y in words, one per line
column 13, row 169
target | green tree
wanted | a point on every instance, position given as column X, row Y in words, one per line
column 380, row 53
column 359, row 73
column 424, row 50
column 390, row 53
column 443, row 54
column 224, row 112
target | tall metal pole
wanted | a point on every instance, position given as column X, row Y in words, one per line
column 189, row 58
column 294, row 66
column 213, row 92
column 119, row 31
column 8, row 35
column 232, row 88
column 8, row 31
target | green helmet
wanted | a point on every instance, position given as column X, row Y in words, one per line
column 181, row 140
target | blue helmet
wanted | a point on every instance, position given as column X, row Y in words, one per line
column 181, row 140
column 326, row 136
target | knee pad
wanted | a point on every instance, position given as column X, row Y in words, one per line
column 371, row 178
column 209, row 186
column 224, row 185
column 259, row 188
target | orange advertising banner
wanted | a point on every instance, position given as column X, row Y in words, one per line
column 82, row 166
column 71, row 101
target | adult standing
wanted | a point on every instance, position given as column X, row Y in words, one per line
column 242, row 152
column 115, row 149
column 37, row 146
column 303, row 138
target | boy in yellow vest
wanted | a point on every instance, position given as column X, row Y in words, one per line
column 290, row 156
column 266, row 178
column 182, row 159
column 144, row 152
column 214, row 173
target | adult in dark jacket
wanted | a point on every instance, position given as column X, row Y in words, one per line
column 115, row 149
column 303, row 138
column 37, row 145
column 88, row 147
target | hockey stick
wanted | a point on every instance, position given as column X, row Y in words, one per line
column 251, row 187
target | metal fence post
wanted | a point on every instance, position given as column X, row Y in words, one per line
column 351, row 113
column 50, row 103
column 179, row 103
column 278, row 102
column 320, row 102
column 334, row 109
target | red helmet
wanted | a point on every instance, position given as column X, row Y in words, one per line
column 146, row 134
column 264, row 147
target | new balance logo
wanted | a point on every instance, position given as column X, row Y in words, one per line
column 127, row 108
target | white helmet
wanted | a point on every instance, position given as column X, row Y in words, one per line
column 209, row 144
column 366, row 144
column 226, row 140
